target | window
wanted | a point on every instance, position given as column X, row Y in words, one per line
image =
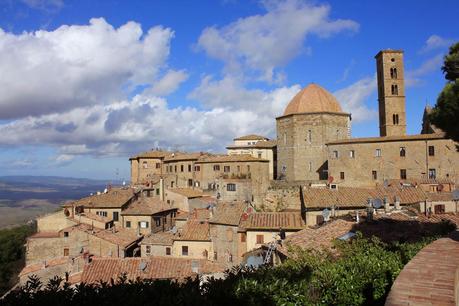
column 351, row 154
column 158, row 165
column 157, row 191
column 395, row 119
column 66, row 252
column 231, row 187
column 260, row 239
column 285, row 139
column 393, row 73
column 226, row 169
column 168, row 251
column 101, row 213
column 432, row 174
column 259, row 155
column 128, row 224
column 190, row 182
column 229, row 235
column 184, row 250
column 175, row 168
column 402, row 151
column 335, row 154
column 172, row 184
column 374, row 174
column 403, row 174
column 143, row 224
column 215, row 255
column 243, row 237
column 145, row 165
column 378, row 153
column 158, row 221
column 309, row 136
column 394, row 89
column 148, row 249
column 238, row 168
column 66, row 234
column 189, row 168
column 310, row 166
column 439, row 209
column 341, row 175
column 431, row 151
column 116, row 216
column 181, row 168
column 216, row 167
column 248, row 168
column 197, row 168
column 205, row 254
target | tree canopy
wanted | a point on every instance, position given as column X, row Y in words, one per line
column 445, row 115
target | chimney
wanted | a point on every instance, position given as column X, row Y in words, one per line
column 386, row 205
column 397, row 203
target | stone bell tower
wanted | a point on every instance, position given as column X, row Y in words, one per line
column 391, row 93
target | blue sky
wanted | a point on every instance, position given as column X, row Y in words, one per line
column 86, row 84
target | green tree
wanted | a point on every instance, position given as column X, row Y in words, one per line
column 445, row 115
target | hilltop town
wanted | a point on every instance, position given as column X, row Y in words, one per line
column 185, row 214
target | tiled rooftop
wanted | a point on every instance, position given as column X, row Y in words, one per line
column 184, row 156
column 274, row 220
column 358, row 197
column 114, row 198
column 429, row 278
column 146, row 206
column 119, row 236
column 161, row 238
column 187, row 192
column 152, row 154
column 251, row 137
column 388, row 138
column 194, row 230
column 228, row 213
column 105, row 269
column 40, row 266
column 45, row 235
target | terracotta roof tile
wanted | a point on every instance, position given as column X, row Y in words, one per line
column 119, row 236
column 228, row 213
column 183, row 156
column 146, row 206
column 45, row 235
column 429, row 277
column 317, row 239
column 95, row 217
column 194, row 230
column 105, row 269
column 358, row 197
column 161, row 238
column 187, row 192
column 114, row 198
column 40, row 266
column 275, row 220
column 152, row 154
column 262, row 144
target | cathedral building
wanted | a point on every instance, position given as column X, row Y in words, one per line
column 314, row 143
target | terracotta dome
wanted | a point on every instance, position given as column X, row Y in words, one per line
column 313, row 99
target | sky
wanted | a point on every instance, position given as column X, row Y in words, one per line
column 86, row 84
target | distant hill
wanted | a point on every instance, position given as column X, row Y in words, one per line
column 22, row 198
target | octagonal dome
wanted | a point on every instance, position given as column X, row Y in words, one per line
column 313, row 99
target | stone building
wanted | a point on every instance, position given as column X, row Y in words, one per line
column 148, row 215
column 393, row 155
column 257, row 146
column 147, row 165
column 312, row 119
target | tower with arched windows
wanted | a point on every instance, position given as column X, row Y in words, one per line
column 391, row 93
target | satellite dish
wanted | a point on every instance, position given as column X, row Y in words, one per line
column 377, row 203
column 326, row 214
column 142, row 266
column 456, row 195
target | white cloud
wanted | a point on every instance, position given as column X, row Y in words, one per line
column 436, row 42
column 265, row 42
column 169, row 83
column 45, row 5
column 353, row 98
column 73, row 66
column 413, row 77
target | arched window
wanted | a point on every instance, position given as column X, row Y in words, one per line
column 285, row 139
column 395, row 118
column 393, row 73
column 394, row 89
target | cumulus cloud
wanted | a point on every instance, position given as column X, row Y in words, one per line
column 413, row 77
column 265, row 42
column 169, row 83
column 354, row 96
column 436, row 42
column 73, row 66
